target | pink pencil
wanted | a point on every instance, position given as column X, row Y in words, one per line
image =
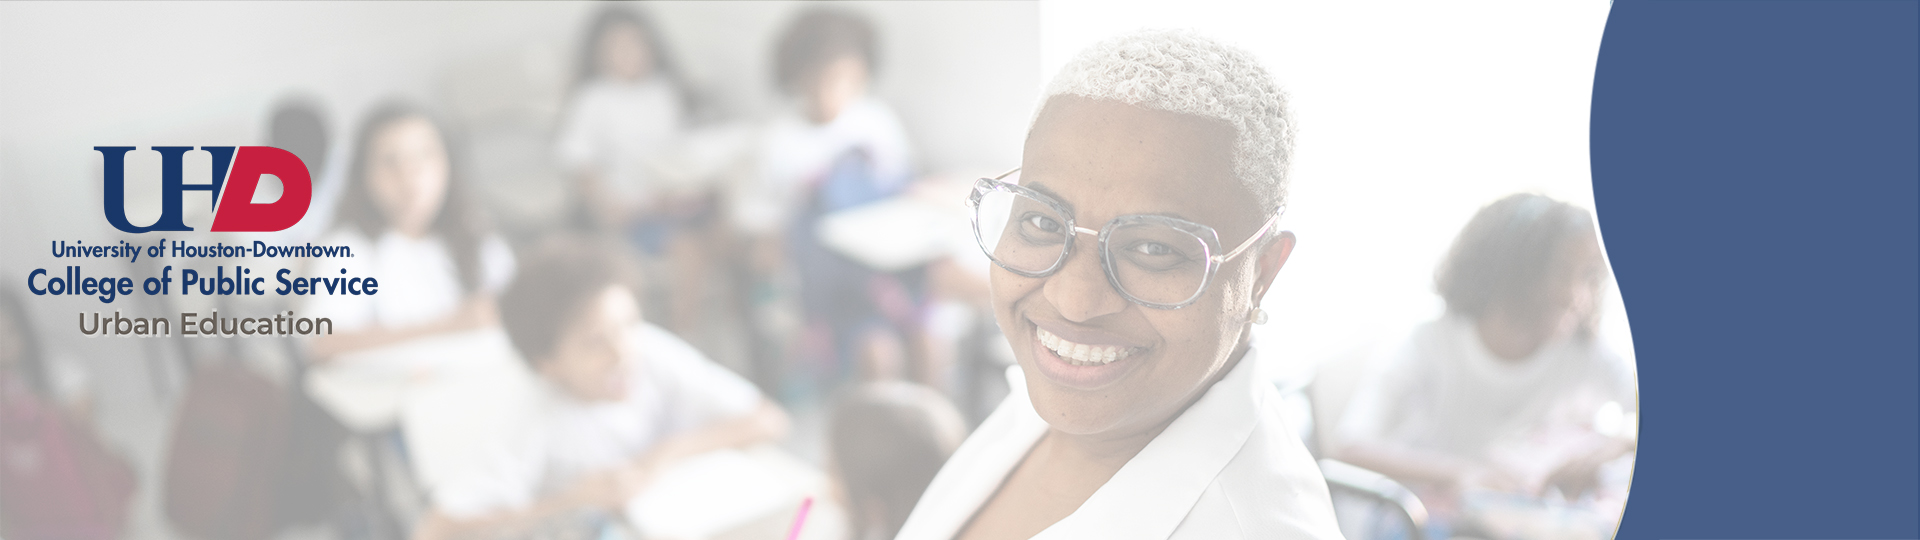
column 805, row 505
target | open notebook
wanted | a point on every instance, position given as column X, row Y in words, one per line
column 709, row 494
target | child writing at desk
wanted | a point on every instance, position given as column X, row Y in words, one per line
column 620, row 400
column 1510, row 392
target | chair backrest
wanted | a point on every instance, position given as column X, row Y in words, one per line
column 1370, row 506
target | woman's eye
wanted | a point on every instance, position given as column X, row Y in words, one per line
column 1043, row 223
column 1154, row 249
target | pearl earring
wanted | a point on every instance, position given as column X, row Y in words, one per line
column 1259, row 316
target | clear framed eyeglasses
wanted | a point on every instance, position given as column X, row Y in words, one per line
column 1156, row 261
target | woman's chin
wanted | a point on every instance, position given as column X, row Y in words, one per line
column 1070, row 413
column 1080, row 401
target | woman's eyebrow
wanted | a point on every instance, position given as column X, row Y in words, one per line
column 1174, row 215
column 1044, row 190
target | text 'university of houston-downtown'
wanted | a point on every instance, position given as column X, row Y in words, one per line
column 74, row 281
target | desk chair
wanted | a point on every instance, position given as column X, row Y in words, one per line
column 1370, row 506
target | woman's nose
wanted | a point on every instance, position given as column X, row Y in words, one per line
column 1080, row 290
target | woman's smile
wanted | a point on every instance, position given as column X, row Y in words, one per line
column 1087, row 360
column 1082, row 354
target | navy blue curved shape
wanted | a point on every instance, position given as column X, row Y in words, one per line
column 1756, row 171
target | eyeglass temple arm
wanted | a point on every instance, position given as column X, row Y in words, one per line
column 1257, row 235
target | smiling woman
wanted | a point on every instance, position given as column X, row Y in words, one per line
column 1142, row 415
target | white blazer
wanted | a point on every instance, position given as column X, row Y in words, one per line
column 1228, row 467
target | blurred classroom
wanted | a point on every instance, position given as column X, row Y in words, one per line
column 785, row 202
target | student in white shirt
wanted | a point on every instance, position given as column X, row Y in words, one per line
column 626, row 110
column 1130, row 259
column 824, row 63
column 407, row 219
column 624, row 138
column 620, row 400
column 1506, row 390
column 834, row 146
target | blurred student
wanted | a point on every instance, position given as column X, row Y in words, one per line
column 626, row 108
column 824, row 63
column 1508, row 390
column 621, row 400
column 409, row 223
column 833, row 148
column 888, row 440
column 58, row 480
column 626, row 117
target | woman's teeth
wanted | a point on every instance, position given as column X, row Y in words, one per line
column 1081, row 354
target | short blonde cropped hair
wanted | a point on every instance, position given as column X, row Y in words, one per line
column 1180, row 71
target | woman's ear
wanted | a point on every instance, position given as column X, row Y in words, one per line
column 1271, row 258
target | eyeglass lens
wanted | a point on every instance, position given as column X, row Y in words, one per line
column 1150, row 261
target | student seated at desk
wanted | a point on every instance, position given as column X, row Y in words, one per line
column 620, row 401
column 408, row 220
column 628, row 106
column 835, row 146
column 1509, row 391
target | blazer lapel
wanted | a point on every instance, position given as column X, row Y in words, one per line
column 1153, row 492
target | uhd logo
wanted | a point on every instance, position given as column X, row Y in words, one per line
column 234, row 209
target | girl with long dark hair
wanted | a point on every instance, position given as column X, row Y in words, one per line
column 626, row 106
column 410, row 224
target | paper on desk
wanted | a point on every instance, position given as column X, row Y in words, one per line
column 712, row 493
column 367, row 389
column 897, row 233
column 455, row 426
